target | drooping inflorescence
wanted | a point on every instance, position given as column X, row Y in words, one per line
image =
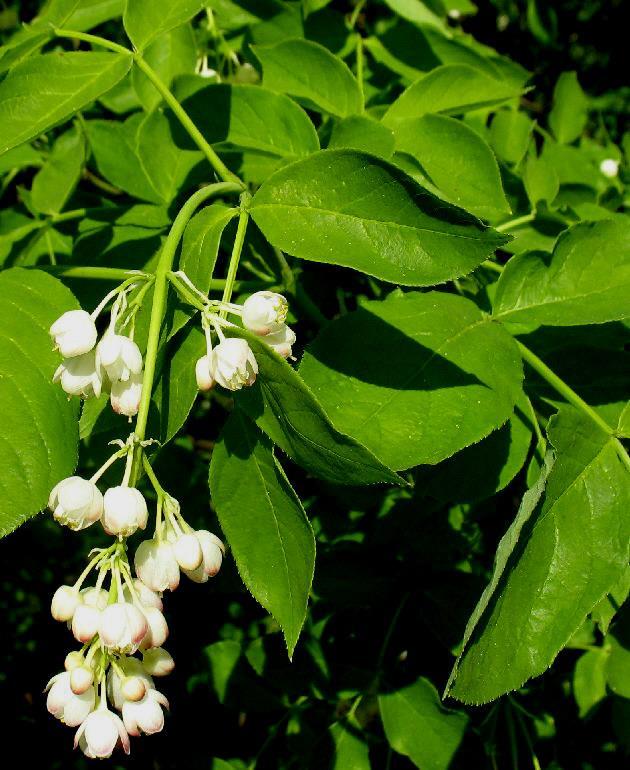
column 107, row 690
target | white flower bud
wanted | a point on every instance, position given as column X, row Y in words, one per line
column 64, row 603
column 122, row 627
column 73, row 659
column 119, row 356
column 147, row 597
column 74, row 333
column 94, row 597
column 156, row 565
column 282, row 341
column 132, row 668
column 264, row 312
column 126, row 395
column 63, row 704
column 157, row 629
column 85, row 623
column 133, row 688
column 79, row 376
column 609, row 167
column 98, row 735
column 146, row 715
column 157, row 661
column 213, row 550
column 187, row 550
column 81, row 678
column 124, row 511
column 233, row 364
column 205, row 381
column 76, row 503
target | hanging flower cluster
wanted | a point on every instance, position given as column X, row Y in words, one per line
column 107, row 690
column 121, row 615
column 114, row 364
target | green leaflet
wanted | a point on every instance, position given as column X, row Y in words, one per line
column 264, row 523
column 360, row 132
column 245, row 116
column 540, row 179
column 566, row 548
column 286, row 410
column 55, row 182
column 450, row 89
column 457, row 161
column 416, row 377
column 502, row 454
column 569, row 112
column 38, row 445
column 351, row 752
column 589, row 680
column 510, row 135
column 585, row 281
column 47, row 89
column 420, row 727
column 309, row 71
column 144, row 20
column 347, row 208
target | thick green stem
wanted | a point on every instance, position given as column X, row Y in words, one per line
column 360, row 70
column 93, row 273
column 505, row 226
column 195, row 134
column 236, row 255
column 572, row 398
column 93, row 39
column 158, row 308
column 562, row 388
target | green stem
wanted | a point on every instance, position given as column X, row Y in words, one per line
column 561, row 387
column 195, row 134
column 217, row 164
column 94, row 273
column 236, row 254
column 93, row 39
column 360, row 64
column 505, row 226
column 158, row 308
column 355, row 13
column 489, row 265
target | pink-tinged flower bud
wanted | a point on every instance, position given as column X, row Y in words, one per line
column 157, row 631
column 132, row 668
column 124, row 511
column 146, row 715
column 205, row 381
column 73, row 659
column 264, row 312
column 126, row 395
column 98, row 735
column 81, row 678
column 282, row 341
column 133, row 688
column 74, row 333
column 85, row 623
column 213, row 550
column 122, row 627
column 64, row 705
column 76, row 503
column 233, row 364
column 79, row 376
column 157, row 661
column 156, row 565
column 146, row 596
column 119, row 356
column 64, row 603
column 187, row 550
